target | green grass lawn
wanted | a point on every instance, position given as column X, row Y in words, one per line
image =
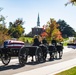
column 71, row 71
column 65, row 43
column 30, row 40
column 24, row 39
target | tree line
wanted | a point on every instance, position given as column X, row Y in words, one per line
column 54, row 29
column 58, row 30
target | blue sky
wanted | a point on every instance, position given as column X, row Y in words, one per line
column 28, row 10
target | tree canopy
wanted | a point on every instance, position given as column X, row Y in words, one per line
column 3, row 34
column 53, row 31
column 3, row 30
column 73, row 2
column 16, row 29
column 65, row 29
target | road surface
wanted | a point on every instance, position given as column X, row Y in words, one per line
column 13, row 67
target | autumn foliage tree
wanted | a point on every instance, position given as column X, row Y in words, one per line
column 3, row 34
column 53, row 31
column 3, row 30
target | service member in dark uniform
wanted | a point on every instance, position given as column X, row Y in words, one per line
column 44, row 41
column 53, row 42
column 45, row 47
column 36, row 41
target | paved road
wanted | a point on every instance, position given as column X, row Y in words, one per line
column 14, row 68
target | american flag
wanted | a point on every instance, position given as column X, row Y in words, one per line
column 14, row 44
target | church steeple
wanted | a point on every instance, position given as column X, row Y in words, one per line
column 38, row 20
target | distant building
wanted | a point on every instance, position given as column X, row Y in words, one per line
column 37, row 30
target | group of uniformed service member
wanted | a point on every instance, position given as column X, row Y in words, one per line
column 42, row 40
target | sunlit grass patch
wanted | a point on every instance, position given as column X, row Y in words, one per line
column 71, row 71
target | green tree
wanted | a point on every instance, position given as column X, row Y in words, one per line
column 16, row 29
column 73, row 2
column 65, row 29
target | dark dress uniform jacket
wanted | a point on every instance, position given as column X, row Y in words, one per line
column 54, row 42
column 44, row 41
column 36, row 42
